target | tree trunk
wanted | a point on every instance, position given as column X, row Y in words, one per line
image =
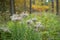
column 57, row 7
column 52, row 5
column 30, row 6
column 12, row 6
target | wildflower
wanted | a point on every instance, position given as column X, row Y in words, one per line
column 4, row 29
column 38, row 24
column 34, row 19
column 15, row 17
column 19, row 18
column 29, row 22
column 23, row 14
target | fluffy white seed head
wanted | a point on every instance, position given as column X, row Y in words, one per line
column 15, row 17
column 29, row 22
column 38, row 24
column 24, row 14
column 4, row 29
column 34, row 19
column 19, row 18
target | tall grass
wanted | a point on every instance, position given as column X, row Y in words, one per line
column 20, row 30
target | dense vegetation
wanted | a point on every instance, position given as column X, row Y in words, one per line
column 32, row 27
column 41, row 24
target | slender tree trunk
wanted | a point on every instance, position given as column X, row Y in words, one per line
column 24, row 5
column 30, row 6
column 52, row 5
column 57, row 7
column 12, row 6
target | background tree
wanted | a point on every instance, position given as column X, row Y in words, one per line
column 4, row 5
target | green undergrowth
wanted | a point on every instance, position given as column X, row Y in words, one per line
column 20, row 30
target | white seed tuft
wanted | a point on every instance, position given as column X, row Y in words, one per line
column 29, row 22
column 34, row 19
column 24, row 14
column 15, row 17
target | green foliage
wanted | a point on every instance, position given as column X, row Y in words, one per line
column 20, row 30
column 4, row 17
column 4, row 4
